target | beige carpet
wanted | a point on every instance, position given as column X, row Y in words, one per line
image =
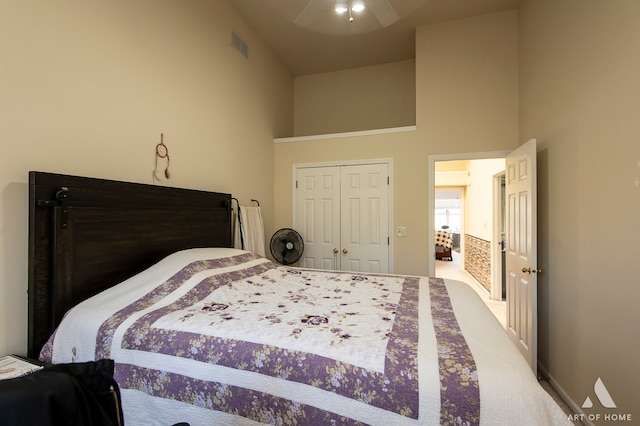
column 453, row 270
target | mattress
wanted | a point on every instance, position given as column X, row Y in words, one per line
column 223, row 336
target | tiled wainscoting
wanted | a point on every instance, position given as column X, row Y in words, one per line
column 477, row 259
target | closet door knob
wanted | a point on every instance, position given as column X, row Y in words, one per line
column 335, row 250
column 345, row 251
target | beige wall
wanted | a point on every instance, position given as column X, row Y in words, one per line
column 374, row 97
column 580, row 97
column 86, row 88
column 466, row 77
column 478, row 206
column 475, row 62
column 451, row 166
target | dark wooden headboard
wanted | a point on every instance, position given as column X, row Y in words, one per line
column 86, row 235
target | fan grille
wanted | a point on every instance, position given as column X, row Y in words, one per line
column 287, row 246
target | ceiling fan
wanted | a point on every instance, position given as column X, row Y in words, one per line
column 380, row 9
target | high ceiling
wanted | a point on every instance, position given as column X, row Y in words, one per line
column 310, row 37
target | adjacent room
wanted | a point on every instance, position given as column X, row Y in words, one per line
column 470, row 210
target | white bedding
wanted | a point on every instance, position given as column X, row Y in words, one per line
column 508, row 391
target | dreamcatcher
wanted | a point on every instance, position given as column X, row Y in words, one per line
column 162, row 152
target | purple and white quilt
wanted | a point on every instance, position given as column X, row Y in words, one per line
column 222, row 336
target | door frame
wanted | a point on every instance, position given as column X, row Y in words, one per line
column 387, row 161
column 431, row 175
column 496, row 249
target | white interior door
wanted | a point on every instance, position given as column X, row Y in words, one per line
column 342, row 213
column 365, row 223
column 318, row 215
column 521, row 250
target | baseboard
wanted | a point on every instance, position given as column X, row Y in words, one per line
column 575, row 408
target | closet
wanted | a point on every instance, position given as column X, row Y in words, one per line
column 343, row 215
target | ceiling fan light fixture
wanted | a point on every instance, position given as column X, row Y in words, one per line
column 341, row 8
column 370, row 15
column 357, row 6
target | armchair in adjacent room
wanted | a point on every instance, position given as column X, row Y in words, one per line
column 444, row 245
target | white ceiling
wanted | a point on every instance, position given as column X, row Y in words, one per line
column 323, row 41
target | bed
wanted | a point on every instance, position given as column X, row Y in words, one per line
column 206, row 334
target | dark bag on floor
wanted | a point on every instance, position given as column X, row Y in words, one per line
column 63, row 394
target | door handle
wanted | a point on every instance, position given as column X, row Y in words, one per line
column 528, row 270
column 345, row 251
column 335, row 250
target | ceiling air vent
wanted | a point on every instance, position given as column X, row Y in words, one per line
column 239, row 45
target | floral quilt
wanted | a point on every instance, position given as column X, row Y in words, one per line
column 238, row 339
column 351, row 334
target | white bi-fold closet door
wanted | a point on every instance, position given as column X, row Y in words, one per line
column 342, row 213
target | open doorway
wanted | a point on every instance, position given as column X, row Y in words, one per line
column 467, row 203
